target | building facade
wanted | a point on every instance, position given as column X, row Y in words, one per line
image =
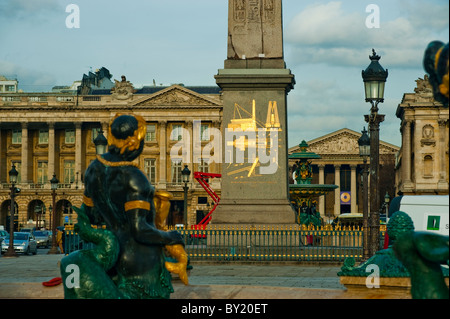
column 53, row 133
column 341, row 165
column 8, row 85
column 423, row 161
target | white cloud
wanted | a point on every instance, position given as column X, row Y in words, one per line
column 326, row 33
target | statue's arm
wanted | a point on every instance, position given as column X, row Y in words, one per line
column 140, row 211
column 433, row 247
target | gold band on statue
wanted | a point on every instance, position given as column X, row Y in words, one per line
column 88, row 201
column 137, row 204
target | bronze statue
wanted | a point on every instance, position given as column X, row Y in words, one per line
column 422, row 253
column 119, row 195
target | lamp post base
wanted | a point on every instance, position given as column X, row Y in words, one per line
column 53, row 251
column 10, row 253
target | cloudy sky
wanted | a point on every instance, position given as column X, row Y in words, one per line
column 327, row 44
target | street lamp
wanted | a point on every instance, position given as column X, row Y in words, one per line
column 364, row 152
column 185, row 173
column 54, row 185
column 101, row 143
column 374, row 78
column 387, row 199
column 13, row 173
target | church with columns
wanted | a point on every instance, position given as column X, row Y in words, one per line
column 340, row 164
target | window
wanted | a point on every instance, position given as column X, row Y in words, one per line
column 42, row 170
column 177, row 132
column 204, row 133
column 203, row 166
column 176, row 172
column 43, row 136
column 150, row 169
column 70, row 136
column 69, row 172
column 10, row 88
column 17, row 137
column 151, row 133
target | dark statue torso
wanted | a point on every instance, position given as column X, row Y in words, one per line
column 139, row 264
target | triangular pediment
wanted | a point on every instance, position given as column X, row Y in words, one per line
column 177, row 96
column 343, row 141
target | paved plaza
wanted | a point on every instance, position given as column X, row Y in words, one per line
column 22, row 277
column 43, row 267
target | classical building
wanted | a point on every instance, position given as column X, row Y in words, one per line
column 53, row 133
column 340, row 164
column 423, row 163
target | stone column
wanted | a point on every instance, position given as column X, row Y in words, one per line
column 321, row 182
column 105, row 126
column 78, row 147
column 443, row 147
column 162, row 155
column 337, row 192
column 51, row 150
column 406, row 156
column 190, row 141
column 354, row 208
column 24, row 159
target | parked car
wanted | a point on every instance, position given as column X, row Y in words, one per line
column 24, row 242
column 4, row 234
column 42, row 238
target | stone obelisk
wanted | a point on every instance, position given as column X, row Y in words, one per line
column 255, row 83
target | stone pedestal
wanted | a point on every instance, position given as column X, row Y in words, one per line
column 255, row 186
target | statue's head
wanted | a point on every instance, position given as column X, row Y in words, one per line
column 126, row 136
column 400, row 223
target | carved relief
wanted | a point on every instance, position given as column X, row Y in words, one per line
column 344, row 142
column 340, row 144
column 123, row 90
column 175, row 97
column 269, row 11
column 240, row 7
column 423, row 86
column 428, row 136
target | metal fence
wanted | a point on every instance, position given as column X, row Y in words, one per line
column 264, row 244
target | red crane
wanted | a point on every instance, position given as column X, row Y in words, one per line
column 202, row 178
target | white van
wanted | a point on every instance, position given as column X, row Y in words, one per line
column 428, row 212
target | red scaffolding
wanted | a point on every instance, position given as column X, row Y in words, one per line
column 203, row 179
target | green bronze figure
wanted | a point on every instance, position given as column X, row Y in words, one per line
column 128, row 260
column 422, row 253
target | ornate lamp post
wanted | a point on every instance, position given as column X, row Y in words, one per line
column 374, row 78
column 185, row 173
column 364, row 152
column 13, row 173
column 54, row 185
column 101, row 143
